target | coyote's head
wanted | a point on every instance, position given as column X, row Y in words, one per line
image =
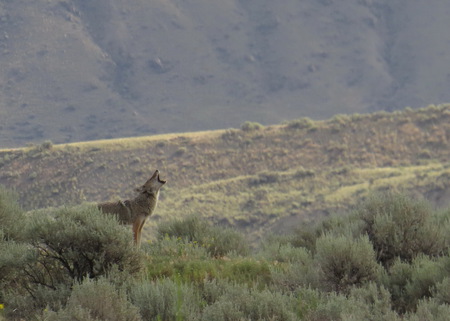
column 153, row 184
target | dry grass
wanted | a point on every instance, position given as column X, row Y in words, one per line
column 249, row 178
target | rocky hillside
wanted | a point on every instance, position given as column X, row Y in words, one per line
column 73, row 70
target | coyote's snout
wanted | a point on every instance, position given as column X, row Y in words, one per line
column 137, row 210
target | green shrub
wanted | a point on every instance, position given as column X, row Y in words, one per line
column 426, row 274
column 178, row 258
column 165, row 300
column 291, row 267
column 429, row 310
column 410, row 282
column 12, row 218
column 373, row 303
column 249, row 126
column 307, row 235
column 345, row 262
column 81, row 242
column 13, row 257
column 301, row 123
column 65, row 247
column 236, row 302
column 181, row 260
column 248, row 271
column 401, row 227
column 46, row 145
column 218, row 241
column 367, row 303
column 396, row 281
column 95, row 300
column 442, row 291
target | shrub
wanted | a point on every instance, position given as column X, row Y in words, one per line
column 66, row 247
column 187, row 262
column 237, row 302
column 13, row 257
column 399, row 276
column 430, row 310
column 345, row 262
column 409, row 283
column 10, row 215
column 95, row 300
column 265, row 177
column 367, row 303
column 46, row 145
column 251, row 126
column 442, row 291
column 304, row 173
column 301, row 123
column 291, row 267
column 401, row 227
column 165, row 300
column 218, row 241
column 426, row 273
column 374, row 303
column 306, row 235
column 82, row 242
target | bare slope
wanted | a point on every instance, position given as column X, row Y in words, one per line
column 75, row 70
column 259, row 179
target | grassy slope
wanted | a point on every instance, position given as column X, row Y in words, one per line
column 270, row 178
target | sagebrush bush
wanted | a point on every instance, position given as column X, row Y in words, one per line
column 63, row 247
column 345, row 262
column 368, row 303
column 409, row 283
column 218, row 241
column 179, row 259
column 12, row 216
column 94, row 300
column 249, row 126
column 82, row 242
column 429, row 310
column 291, row 268
column 12, row 259
column 396, row 280
column 165, row 299
column 399, row 226
column 229, row 302
column 301, row 123
column 426, row 274
column 442, row 291
column 373, row 303
column 306, row 236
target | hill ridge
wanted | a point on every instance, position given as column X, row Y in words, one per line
column 260, row 174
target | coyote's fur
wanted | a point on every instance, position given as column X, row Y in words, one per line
column 136, row 211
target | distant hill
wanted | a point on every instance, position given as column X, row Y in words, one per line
column 73, row 70
column 256, row 178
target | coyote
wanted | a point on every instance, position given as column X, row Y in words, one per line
column 136, row 211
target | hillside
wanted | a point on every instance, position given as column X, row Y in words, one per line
column 73, row 70
column 256, row 178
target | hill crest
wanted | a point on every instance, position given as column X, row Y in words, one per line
column 254, row 177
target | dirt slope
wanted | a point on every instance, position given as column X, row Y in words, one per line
column 72, row 70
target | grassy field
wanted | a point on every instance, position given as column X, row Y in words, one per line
column 257, row 178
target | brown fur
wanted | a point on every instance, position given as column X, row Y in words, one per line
column 136, row 211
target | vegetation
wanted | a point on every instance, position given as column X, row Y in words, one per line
column 256, row 178
column 72, row 263
column 209, row 256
